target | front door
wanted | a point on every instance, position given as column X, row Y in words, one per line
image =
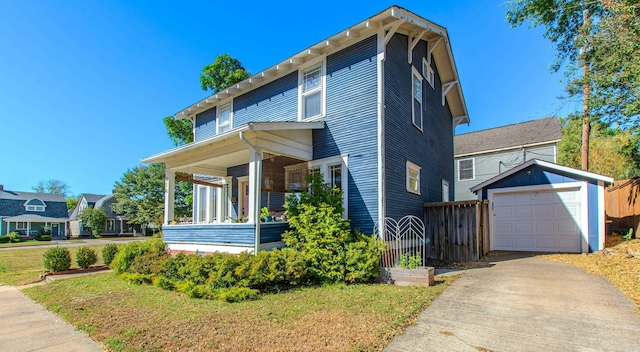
column 54, row 229
column 245, row 199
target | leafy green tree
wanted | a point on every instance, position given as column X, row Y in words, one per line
column 95, row 218
column 223, row 72
column 180, row 131
column 601, row 38
column 52, row 186
column 72, row 202
column 140, row 195
column 614, row 152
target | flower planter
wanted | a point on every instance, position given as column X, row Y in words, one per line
column 421, row 276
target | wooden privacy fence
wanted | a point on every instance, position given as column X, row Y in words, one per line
column 457, row 230
column 622, row 205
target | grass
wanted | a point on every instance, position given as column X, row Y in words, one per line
column 27, row 244
column 620, row 268
column 145, row 318
column 23, row 266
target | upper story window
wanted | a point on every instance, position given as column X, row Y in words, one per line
column 224, row 118
column 466, row 169
column 416, row 91
column 312, row 91
column 413, row 178
column 428, row 72
column 34, row 204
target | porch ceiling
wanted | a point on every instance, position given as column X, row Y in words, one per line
column 213, row 155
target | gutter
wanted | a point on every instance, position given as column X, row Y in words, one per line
column 256, row 196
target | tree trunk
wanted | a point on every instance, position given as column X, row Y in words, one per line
column 586, row 121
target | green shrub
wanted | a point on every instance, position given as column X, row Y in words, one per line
column 148, row 263
column 164, row 283
column 44, row 238
column 127, row 253
column 363, row 258
column 5, row 239
column 135, row 278
column 108, row 252
column 86, row 257
column 236, row 294
column 57, row 259
column 14, row 236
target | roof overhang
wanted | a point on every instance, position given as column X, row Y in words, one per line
column 547, row 165
column 213, row 155
column 34, row 218
column 491, row 151
column 409, row 24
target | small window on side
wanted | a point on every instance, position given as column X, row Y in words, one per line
column 413, row 178
column 466, row 169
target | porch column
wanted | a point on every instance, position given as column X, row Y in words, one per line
column 255, row 175
column 1, row 224
column 169, row 195
column 121, row 227
column 28, row 228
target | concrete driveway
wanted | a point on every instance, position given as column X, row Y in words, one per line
column 520, row 303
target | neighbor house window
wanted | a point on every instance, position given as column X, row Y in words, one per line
column 413, row 178
column 34, row 204
column 224, row 118
column 202, row 204
column 21, row 225
column 110, row 225
column 416, row 91
column 428, row 72
column 311, row 92
column 466, row 169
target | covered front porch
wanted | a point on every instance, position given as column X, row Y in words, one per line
column 32, row 225
column 240, row 179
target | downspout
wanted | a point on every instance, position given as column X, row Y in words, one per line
column 256, row 214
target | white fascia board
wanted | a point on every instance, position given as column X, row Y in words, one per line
column 489, row 151
column 160, row 157
column 544, row 164
column 276, row 126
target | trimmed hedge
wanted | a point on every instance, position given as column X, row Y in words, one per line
column 5, row 239
column 57, row 259
column 123, row 260
column 86, row 257
column 109, row 252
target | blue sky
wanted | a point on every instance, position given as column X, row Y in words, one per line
column 84, row 84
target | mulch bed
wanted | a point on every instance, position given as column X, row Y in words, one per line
column 78, row 270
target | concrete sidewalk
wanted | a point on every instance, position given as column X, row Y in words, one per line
column 26, row 326
column 522, row 303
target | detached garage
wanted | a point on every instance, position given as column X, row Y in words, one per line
column 544, row 207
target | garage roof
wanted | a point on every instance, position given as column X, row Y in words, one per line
column 552, row 166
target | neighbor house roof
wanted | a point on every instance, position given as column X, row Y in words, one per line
column 92, row 198
column 547, row 165
column 541, row 131
column 100, row 202
column 35, row 218
column 17, row 195
column 392, row 17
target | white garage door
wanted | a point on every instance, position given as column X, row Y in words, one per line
column 537, row 221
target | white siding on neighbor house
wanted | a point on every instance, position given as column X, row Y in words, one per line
column 489, row 165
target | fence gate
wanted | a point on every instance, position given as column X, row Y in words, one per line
column 405, row 237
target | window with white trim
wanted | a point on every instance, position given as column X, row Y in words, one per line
column 428, row 72
column 21, row 225
column 311, row 97
column 201, row 214
column 110, row 225
column 34, row 204
column 35, row 208
column 416, row 93
column 466, row 169
column 334, row 172
column 224, row 118
column 413, row 178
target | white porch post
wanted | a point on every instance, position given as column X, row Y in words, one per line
column 169, row 195
column 1, row 224
column 121, row 226
column 255, row 177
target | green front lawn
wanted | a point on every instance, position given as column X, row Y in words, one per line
column 144, row 318
column 24, row 266
column 27, row 244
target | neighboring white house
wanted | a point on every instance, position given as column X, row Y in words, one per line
column 484, row 154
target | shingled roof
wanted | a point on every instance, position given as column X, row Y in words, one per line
column 507, row 137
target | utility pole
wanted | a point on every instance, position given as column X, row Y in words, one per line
column 586, row 121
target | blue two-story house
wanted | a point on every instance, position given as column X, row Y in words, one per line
column 373, row 109
column 29, row 213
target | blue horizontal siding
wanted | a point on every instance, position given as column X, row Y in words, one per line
column 351, row 126
column 275, row 101
column 431, row 149
column 240, row 234
column 272, row 231
column 205, row 124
